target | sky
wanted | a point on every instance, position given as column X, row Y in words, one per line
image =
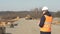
column 20, row 5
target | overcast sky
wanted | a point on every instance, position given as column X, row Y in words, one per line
column 53, row 5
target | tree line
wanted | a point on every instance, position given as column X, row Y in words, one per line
column 22, row 14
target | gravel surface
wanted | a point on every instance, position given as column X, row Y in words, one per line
column 29, row 27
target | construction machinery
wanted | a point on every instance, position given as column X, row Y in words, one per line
column 10, row 22
column 28, row 17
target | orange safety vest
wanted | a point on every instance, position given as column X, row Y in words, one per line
column 47, row 24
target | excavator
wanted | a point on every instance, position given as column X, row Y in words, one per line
column 28, row 17
column 10, row 21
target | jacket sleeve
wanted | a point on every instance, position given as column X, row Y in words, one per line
column 42, row 21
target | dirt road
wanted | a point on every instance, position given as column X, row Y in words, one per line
column 29, row 27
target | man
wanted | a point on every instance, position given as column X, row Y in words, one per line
column 45, row 23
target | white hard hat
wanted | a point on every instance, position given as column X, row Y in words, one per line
column 45, row 8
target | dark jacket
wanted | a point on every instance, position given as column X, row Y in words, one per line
column 42, row 21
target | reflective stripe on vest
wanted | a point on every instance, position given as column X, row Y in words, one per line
column 47, row 24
